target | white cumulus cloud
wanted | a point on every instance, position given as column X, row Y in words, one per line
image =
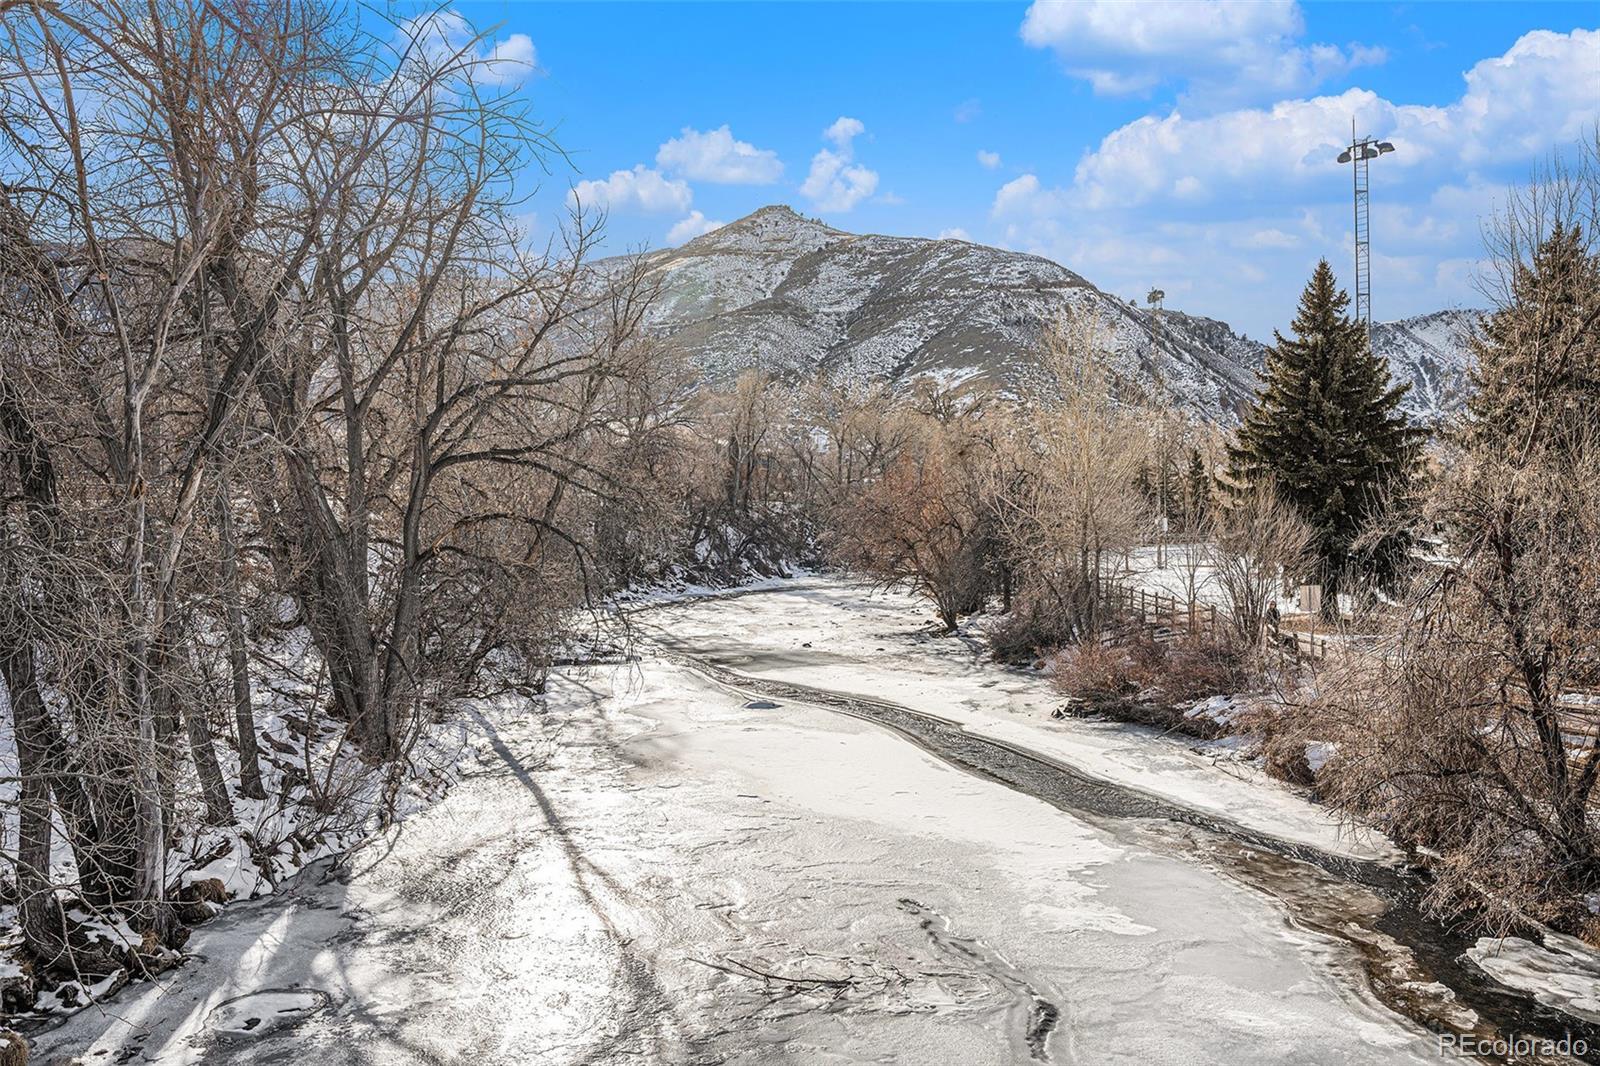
column 988, row 160
column 716, row 156
column 1220, row 50
column 639, row 189
column 843, row 131
column 836, row 182
column 1026, row 197
column 1540, row 94
column 509, row 61
column 691, row 226
column 441, row 37
column 1241, row 202
column 1271, row 237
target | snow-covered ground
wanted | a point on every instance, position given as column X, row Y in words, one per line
column 655, row 867
column 269, row 840
column 1184, row 571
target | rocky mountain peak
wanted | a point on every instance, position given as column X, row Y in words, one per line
column 775, row 229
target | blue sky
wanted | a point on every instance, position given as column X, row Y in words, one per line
column 1186, row 146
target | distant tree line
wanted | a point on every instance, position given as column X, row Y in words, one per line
column 1460, row 572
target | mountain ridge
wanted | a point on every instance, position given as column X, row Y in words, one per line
column 795, row 296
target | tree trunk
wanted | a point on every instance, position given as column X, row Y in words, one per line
column 37, row 913
column 104, row 866
column 219, row 811
column 149, row 885
column 238, row 655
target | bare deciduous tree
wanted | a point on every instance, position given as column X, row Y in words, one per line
column 1073, row 512
column 1255, row 540
column 267, row 326
column 927, row 522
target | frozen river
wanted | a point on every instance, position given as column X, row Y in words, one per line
column 687, row 859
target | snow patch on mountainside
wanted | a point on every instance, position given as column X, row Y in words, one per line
column 1433, row 353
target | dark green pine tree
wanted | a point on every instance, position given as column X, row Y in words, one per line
column 1144, row 484
column 1327, row 432
column 1196, row 491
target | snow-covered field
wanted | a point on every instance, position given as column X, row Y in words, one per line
column 656, row 867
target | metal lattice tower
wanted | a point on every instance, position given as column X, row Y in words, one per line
column 1363, row 241
column 1359, row 154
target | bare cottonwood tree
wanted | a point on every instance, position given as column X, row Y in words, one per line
column 927, row 522
column 1073, row 511
column 266, row 320
column 747, row 503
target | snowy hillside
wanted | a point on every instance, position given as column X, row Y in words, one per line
column 1430, row 351
column 794, row 295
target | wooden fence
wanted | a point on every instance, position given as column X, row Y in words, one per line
column 1167, row 617
column 1300, row 645
column 1162, row 614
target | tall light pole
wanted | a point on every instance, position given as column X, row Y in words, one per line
column 1359, row 153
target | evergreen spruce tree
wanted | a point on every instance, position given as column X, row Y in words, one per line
column 1144, row 484
column 1169, row 486
column 1196, row 490
column 1537, row 376
column 1327, row 432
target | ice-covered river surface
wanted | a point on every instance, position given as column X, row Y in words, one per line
column 702, row 856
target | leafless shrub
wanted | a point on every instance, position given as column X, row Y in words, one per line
column 1256, row 542
column 1102, row 674
column 1164, row 676
column 1200, row 665
column 927, row 521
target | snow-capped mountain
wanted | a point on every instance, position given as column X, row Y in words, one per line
column 795, row 296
